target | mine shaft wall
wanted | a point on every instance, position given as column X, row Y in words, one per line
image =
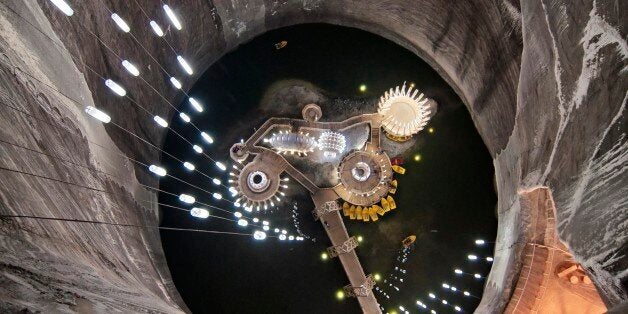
column 543, row 82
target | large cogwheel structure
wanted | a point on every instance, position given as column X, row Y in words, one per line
column 258, row 184
column 405, row 112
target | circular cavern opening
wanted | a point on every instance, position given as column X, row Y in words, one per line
column 446, row 197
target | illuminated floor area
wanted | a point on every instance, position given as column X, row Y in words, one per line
column 446, row 196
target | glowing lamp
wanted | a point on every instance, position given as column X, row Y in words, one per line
column 472, row 257
column 259, row 235
column 184, row 117
column 184, row 64
column 221, row 166
column 195, row 104
column 340, row 295
column 175, row 83
column 217, row 196
column 199, row 212
column 185, row 198
column 173, row 18
column 115, row 87
column 63, row 6
column 97, row 114
column 197, row 149
column 131, row 68
column 160, row 121
column 243, row 222
column 207, row 138
column 215, row 181
column 189, row 166
column 156, row 28
column 157, row 170
column 120, row 22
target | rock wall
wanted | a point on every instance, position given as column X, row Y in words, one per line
column 55, row 162
column 544, row 82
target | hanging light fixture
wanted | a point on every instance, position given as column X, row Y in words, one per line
column 97, row 114
column 199, row 212
column 195, row 104
column 184, row 117
column 185, row 65
column 175, row 83
column 63, row 6
column 160, row 121
column 130, row 67
column 189, row 199
column 120, row 22
column 115, row 87
column 173, row 18
column 259, row 235
column 157, row 170
column 221, row 166
column 156, row 28
column 207, row 138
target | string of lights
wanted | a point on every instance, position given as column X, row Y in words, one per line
column 120, row 91
column 241, row 223
column 74, row 220
column 94, row 170
column 197, row 212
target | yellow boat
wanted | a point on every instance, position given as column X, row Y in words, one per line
column 399, row 169
column 391, row 202
column 408, row 241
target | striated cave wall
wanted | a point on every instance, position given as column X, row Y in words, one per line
column 545, row 83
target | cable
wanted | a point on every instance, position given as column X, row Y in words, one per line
column 96, row 170
column 128, row 225
column 131, row 133
column 103, row 78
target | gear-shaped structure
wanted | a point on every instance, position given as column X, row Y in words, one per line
column 405, row 112
column 258, row 185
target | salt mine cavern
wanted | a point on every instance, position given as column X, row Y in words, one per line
column 313, row 156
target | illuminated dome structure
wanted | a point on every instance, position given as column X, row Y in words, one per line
column 405, row 113
column 292, row 143
column 332, row 143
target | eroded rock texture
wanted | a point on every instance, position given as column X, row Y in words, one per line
column 545, row 83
